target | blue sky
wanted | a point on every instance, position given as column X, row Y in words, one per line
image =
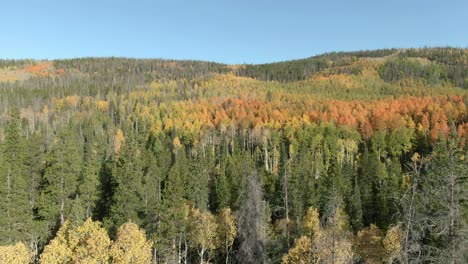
column 240, row 31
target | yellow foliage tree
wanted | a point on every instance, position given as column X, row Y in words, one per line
column 335, row 240
column 227, row 230
column 369, row 245
column 202, row 228
column 307, row 248
column 311, row 223
column 15, row 254
column 301, row 253
column 392, row 243
column 119, row 139
column 131, row 246
column 88, row 243
column 58, row 251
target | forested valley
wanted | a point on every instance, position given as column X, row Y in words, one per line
column 345, row 157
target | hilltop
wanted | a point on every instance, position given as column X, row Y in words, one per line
column 345, row 157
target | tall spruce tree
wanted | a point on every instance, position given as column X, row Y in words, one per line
column 127, row 180
column 89, row 184
column 58, row 189
column 15, row 209
column 174, row 212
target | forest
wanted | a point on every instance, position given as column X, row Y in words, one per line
column 344, row 157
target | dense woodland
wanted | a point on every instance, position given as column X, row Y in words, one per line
column 351, row 157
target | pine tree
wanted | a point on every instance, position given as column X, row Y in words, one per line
column 15, row 208
column 174, row 210
column 221, row 188
column 89, row 183
column 127, row 180
column 198, row 180
column 60, row 180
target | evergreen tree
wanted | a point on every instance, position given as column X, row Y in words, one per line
column 60, row 180
column 15, row 209
column 127, row 181
column 158, row 161
column 89, row 183
column 198, row 180
column 174, row 210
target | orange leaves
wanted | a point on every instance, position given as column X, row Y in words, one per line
column 43, row 69
column 230, row 103
column 426, row 115
column 40, row 69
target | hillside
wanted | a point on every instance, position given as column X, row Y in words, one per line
column 351, row 157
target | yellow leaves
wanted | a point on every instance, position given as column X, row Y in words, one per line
column 339, row 221
column 305, row 249
column 202, row 229
column 15, row 254
column 311, row 223
column 226, row 229
column 58, row 251
column 369, row 245
column 72, row 100
column 102, row 105
column 131, row 246
column 344, row 81
column 45, row 109
column 406, row 181
column 322, row 245
column 58, row 103
column 168, row 124
column 300, row 253
column 176, row 144
column 119, row 139
column 88, row 243
column 392, row 243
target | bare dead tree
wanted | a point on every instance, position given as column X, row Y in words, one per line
column 251, row 223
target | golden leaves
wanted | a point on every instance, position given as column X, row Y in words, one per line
column 202, row 229
column 311, row 222
column 119, row 139
column 88, row 243
column 131, row 246
column 392, row 243
column 15, row 254
column 91, row 243
column 226, row 227
column 301, row 253
column 58, row 251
